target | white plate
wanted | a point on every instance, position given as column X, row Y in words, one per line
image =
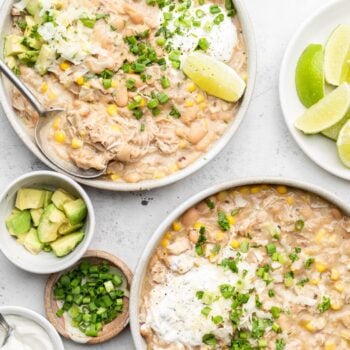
column 28, row 139
column 316, row 29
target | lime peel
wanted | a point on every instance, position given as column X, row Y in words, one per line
column 343, row 144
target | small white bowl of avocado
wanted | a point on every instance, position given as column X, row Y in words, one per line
column 47, row 222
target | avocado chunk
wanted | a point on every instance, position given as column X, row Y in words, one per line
column 33, row 7
column 32, row 43
column 29, row 57
column 14, row 46
column 30, row 198
column 47, row 199
column 32, row 243
column 68, row 228
column 50, row 221
column 47, row 56
column 61, row 197
column 76, row 211
column 66, row 244
column 36, row 214
column 19, row 222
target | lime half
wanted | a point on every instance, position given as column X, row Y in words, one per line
column 343, row 144
column 333, row 131
column 309, row 76
column 326, row 112
column 337, row 55
column 214, row 77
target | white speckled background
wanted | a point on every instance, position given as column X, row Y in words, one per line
column 262, row 146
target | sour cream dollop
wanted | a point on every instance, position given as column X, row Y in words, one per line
column 26, row 335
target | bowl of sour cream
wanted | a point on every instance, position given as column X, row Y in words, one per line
column 31, row 331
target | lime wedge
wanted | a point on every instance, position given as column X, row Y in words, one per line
column 309, row 76
column 343, row 144
column 326, row 112
column 337, row 55
column 333, row 131
column 214, row 77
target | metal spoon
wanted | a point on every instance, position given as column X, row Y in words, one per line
column 47, row 116
column 8, row 329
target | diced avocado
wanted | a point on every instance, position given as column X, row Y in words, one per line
column 30, row 198
column 19, row 222
column 30, row 24
column 11, row 62
column 48, row 230
column 33, row 7
column 57, row 216
column 68, row 228
column 21, row 238
column 32, row 43
column 66, row 244
column 76, row 211
column 61, row 197
column 47, row 56
column 29, row 58
column 36, row 214
column 32, row 243
column 48, row 196
column 14, row 46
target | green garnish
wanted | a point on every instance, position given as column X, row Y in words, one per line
column 201, row 241
column 206, row 311
column 226, row 290
column 130, row 84
column 91, row 296
column 324, row 305
column 219, row 19
column 217, row 319
column 309, row 262
column 299, row 225
column 88, row 22
column 107, row 83
column 275, row 312
column 209, row 339
column 152, row 103
column 214, row 9
column 174, row 112
column 303, row 281
column 210, row 203
column 280, row 344
column 21, row 24
column 165, row 82
column 230, row 263
column 163, row 98
column 271, row 293
column 271, row 249
column 288, row 279
column 199, row 294
column 223, row 221
column 203, row 44
column 244, row 247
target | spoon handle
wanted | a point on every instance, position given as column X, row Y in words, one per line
column 21, row 87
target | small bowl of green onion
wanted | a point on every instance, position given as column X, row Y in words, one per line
column 89, row 302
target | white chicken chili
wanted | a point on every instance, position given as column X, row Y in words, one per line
column 118, row 68
column 257, row 267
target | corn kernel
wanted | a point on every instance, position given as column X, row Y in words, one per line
column 115, row 177
column 222, row 196
column 76, row 143
column 320, row 236
column 51, row 95
column 112, row 109
column 56, row 123
column 168, row 236
column 164, row 243
column 290, row 200
column 307, row 325
column 232, row 220
column 177, row 226
column 282, row 189
column 336, row 305
column 244, row 190
column 80, row 81
column 335, row 275
column 339, row 287
column 116, row 128
column 191, row 87
column 142, row 102
column 183, row 144
column 60, row 136
column 64, row 66
column 115, row 83
column 189, row 103
column 44, row 87
column 255, row 189
column 329, row 345
column 159, row 175
column 198, row 225
column 219, row 236
column 174, row 168
column 320, row 266
column 235, row 244
column 200, row 98
column 203, row 105
column 315, row 281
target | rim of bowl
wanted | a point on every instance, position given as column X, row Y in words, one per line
column 37, row 318
column 88, row 235
column 282, row 74
column 216, row 148
column 143, row 262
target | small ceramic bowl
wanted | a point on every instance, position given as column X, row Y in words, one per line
column 37, row 318
column 111, row 329
column 43, row 263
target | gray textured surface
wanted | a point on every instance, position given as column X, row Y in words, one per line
column 262, row 146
